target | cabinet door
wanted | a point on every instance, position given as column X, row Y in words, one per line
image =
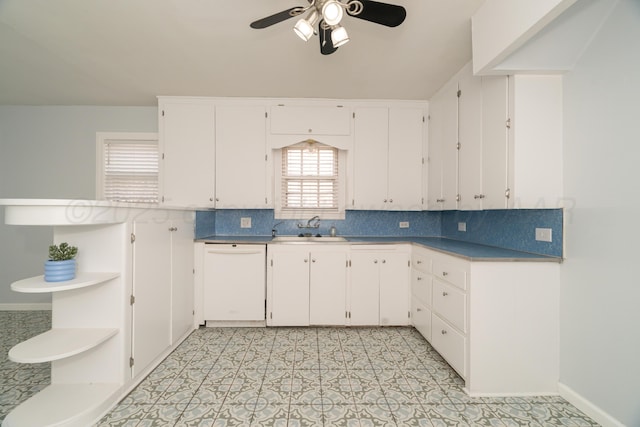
column 327, row 288
column 310, row 120
column 151, row 311
column 435, row 153
column 289, row 289
column 240, row 157
column 370, row 158
column 394, row 288
column 406, row 127
column 182, row 298
column 187, row 139
column 421, row 318
column 470, row 138
column 364, row 298
column 449, row 145
column 234, row 282
column 495, row 94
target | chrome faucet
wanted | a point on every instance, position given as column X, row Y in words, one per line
column 273, row 229
column 315, row 224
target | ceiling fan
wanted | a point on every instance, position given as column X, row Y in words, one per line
column 328, row 14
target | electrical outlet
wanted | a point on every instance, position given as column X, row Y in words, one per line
column 245, row 222
column 543, row 234
column 404, row 224
column 462, row 226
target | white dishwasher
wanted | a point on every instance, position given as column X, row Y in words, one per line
column 234, row 283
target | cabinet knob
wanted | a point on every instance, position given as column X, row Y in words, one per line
column 306, row 260
column 419, row 277
column 443, row 332
column 478, row 196
column 384, row 261
column 418, row 262
column 313, row 260
column 211, row 199
column 390, row 200
column 444, row 294
column 375, row 261
column 385, row 200
column 444, row 273
column 310, row 130
column 418, row 310
column 439, row 200
column 173, row 228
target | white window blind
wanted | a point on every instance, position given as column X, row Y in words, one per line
column 130, row 171
column 310, row 178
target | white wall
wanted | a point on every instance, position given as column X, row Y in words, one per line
column 600, row 297
column 49, row 152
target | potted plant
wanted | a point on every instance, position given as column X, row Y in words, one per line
column 61, row 265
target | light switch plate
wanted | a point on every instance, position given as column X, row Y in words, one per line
column 245, row 222
column 404, row 224
column 462, row 226
column 543, row 234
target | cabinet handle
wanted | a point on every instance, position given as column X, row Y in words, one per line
column 444, row 273
column 313, row 260
column 419, row 277
column 384, row 261
column 439, row 200
column 444, row 294
column 418, row 310
column 306, row 260
column 390, row 200
column 211, row 199
column 443, row 332
column 385, row 200
column 173, row 228
column 418, row 262
column 375, row 261
column 310, row 130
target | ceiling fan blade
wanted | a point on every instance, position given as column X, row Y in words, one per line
column 324, row 34
column 390, row 15
column 276, row 18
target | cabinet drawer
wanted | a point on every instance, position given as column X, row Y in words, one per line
column 450, row 303
column 421, row 317
column 421, row 286
column 451, row 271
column 421, row 261
column 451, row 344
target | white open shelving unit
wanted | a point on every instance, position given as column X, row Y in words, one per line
column 86, row 344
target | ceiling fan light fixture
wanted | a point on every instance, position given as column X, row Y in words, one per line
column 304, row 26
column 332, row 12
column 339, row 36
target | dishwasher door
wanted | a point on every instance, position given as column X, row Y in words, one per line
column 234, row 282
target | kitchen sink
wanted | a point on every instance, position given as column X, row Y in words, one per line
column 308, row 239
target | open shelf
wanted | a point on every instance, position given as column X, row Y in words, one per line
column 58, row 344
column 35, row 285
column 63, row 405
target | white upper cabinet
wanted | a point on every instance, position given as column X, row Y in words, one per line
column 371, row 130
column 310, row 120
column 241, row 157
column 498, row 145
column 187, row 142
column 387, row 163
column 470, row 141
column 443, row 153
column 406, row 136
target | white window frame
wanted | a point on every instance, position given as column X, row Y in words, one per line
column 302, row 213
column 102, row 138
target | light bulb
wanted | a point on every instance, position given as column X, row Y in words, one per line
column 332, row 12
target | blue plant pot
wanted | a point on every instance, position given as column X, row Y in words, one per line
column 59, row 271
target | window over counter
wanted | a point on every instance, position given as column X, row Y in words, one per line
column 310, row 179
column 127, row 167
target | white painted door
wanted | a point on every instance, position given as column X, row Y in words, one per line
column 371, row 130
column 234, row 282
column 327, row 287
column 394, row 288
column 449, row 145
column 495, row 113
column 364, row 295
column 182, row 298
column 289, row 305
column 406, row 129
column 470, row 134
column 240, row 157
column 435, row 153
column 152, row 291
column 187, row 140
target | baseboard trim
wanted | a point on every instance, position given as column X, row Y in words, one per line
column 597, row 414
column 26, row 307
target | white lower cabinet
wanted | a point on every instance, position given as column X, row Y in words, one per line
column 495, row 323
column 379, row 287
column 306, row 284
column 234, row 283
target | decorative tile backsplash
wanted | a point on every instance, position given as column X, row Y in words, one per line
column 512, row 229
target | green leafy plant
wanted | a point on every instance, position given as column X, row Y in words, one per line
column 62, row 252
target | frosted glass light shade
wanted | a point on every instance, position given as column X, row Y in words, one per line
column 332, row 12
column 339, row 36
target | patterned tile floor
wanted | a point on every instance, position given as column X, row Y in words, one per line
column 296, row 377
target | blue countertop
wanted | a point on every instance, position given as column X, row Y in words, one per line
column 461, row 249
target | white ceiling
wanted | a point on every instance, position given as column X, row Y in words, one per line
column 126, row 52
